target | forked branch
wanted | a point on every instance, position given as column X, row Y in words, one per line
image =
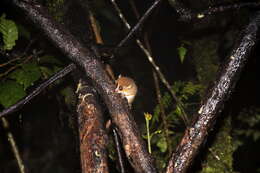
column 83, row 57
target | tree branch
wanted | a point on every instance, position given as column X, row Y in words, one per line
column 213, row 103
column 92, row 135
column 119, row 151
column 187, row 15
column 12, row 141
column 131, row 138
column 138, row 25
column 37, row 91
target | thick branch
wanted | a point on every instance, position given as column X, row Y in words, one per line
column 213, row 103
column 93, row 138
column 132, row 142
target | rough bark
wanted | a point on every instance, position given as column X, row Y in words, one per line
column 92, row 135
column 132, row 142
column 213, row 103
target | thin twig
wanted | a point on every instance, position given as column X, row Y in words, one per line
column 18, row 65
column 156, row 83
column 15, row 66
column 20, row 56
column 133, row 6
column 8, row 62
column 38, row 90
column 162, row 112
column 119, row 151
column 155, row 66
column 158, row 94
column 94, row 26
column 13, row 144
column 99, row 40
column 139, row 23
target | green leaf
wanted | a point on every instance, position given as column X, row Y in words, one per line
column 27, row 75
column 162, row 144
column 10, row 93
column 33, row 69
column 9, row 31
column 182, row 52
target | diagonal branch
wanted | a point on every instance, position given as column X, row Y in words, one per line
column 37, row 91
column 131, row 138
column 187, row 14
column 119, row 151
column 12, row 141
column 213, row 103
column 139, row 23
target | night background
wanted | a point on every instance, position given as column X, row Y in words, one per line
column 189, row 54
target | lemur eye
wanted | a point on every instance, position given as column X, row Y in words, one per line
column 120, row 88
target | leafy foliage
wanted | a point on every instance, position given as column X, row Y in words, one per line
column 188, row 93
column 248, row 126
column 26, row 75
column 54, row 7
column 10, row 93
column 9, row 31
column 220, row 156
column 49, row 65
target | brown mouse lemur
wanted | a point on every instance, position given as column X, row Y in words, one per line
column 127, row 88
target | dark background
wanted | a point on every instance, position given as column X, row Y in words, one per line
column 42, row 129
